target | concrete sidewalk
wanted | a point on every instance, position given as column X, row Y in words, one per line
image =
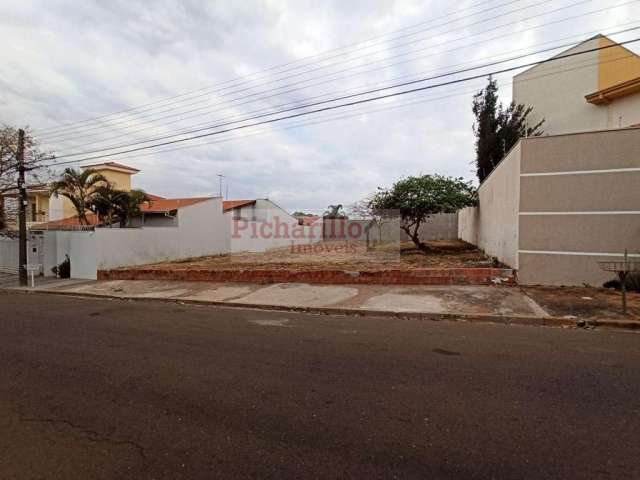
column 499, row 304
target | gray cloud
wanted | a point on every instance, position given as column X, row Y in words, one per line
column 70, row 60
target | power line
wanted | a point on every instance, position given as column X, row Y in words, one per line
column 276, row 67
column 322, row 102
column 182, row 118
column 295, row 89
column 357, row 102
column 259, row 114
column 288, row 77
column 207, row 112
column 358, row 113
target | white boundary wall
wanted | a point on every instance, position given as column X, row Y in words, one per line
column 272, row 228
column 442, row 226
column 8, row 254
column 200, row 231
column 493, row 226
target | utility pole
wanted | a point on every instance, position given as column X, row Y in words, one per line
column 221, row 177
column 22, row 217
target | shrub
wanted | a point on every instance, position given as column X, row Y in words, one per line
column 632, row 283
column 64, row 269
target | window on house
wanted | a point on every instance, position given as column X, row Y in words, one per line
column 34, row 213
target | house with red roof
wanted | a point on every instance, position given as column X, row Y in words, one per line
column 166, row 229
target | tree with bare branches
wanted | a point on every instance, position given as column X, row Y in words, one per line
column 37, row 173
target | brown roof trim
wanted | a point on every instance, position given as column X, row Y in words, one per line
column 609, row 94
column 229, row 205
column 118, row 167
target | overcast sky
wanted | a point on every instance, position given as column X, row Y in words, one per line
column 69, row 61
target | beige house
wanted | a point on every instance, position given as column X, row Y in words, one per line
column 596, row 90
column 558, row 204
column 117, row 174
column 44, row 207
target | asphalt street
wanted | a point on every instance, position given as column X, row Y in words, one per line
column 93, row 388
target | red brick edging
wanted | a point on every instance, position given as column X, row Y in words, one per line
column 424, row 276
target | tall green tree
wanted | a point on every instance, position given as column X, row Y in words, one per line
column 105, row 201
column 497, row 128
column 80, row 188
column 128, row 206
column 417, row 198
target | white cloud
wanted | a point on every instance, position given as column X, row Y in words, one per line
column 74, row 60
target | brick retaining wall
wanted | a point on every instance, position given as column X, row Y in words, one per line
column 425, row 276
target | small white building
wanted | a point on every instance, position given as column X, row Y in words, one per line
column 259, row 224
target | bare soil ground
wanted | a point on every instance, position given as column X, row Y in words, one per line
column 585, row 302
column 344, row 256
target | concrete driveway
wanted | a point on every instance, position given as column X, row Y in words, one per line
column 466, row 300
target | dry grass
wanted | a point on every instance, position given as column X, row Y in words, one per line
column 344, row 256
column 584, row 302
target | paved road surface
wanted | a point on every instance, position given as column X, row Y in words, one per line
column 112, row 389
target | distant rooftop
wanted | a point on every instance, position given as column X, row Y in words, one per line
column 117, row 167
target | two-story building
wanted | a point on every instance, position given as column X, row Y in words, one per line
column 560, row 203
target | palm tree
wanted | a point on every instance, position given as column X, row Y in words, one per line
column 334, row 212
column 80, row 188
column 105, row 202
column 128, row 205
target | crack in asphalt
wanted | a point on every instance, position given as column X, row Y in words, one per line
column 93, row 436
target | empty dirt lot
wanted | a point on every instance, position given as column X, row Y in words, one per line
column 345, row 256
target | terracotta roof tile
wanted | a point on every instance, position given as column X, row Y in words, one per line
column 170, row 204
column 157, row 205
column 66, row 223
column 306, row 220
column 228, row 205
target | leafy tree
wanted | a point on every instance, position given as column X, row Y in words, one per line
column 105, row 201
column 80, row 187
column 33, row 157
column 109, row 203
column 128, row 206
column 302, row 214
column 378, row 218
column 497, row 129
column 417, row 198
column 334, row 212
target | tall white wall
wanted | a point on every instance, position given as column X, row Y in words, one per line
column 263, row 234
column 8, row 254
column 200, row 231
column 493, row 226
column 468, row 227
column 442, row 226
column 80, row 246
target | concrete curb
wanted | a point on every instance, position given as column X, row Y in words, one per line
column 456, row 317
column 418, row 276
